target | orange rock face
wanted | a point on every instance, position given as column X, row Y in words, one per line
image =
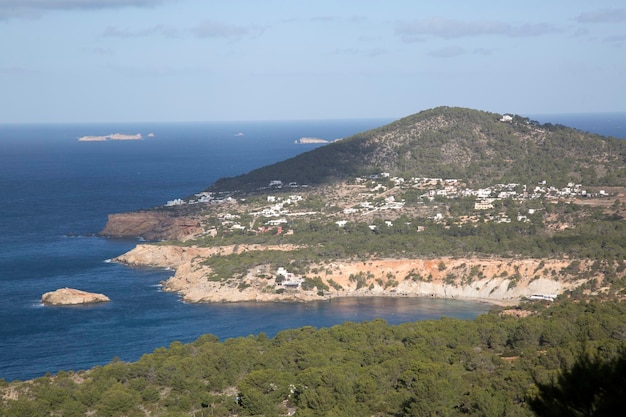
column 151, row 225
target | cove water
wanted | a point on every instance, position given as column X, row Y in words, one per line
column 56, row 194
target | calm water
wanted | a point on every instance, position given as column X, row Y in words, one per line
column 56, row 193
column 606, row 124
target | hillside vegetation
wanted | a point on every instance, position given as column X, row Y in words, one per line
column 447, row 183
column 492, row 366
column 449, row 142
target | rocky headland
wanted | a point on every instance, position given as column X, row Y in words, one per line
column 71, row 296
column 449, row 202
column 152, row 225
column 494, row 280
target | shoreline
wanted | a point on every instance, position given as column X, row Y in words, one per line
column 356, row 295
column 499, row 282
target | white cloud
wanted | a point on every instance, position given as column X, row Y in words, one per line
column 482, row 51
column 115, row 32
column 18, row 71
column 581, row 32
column 449, row 29
column 206, row 29
column 213, row 29
column 144, row 71
column 447, row 52
column 616, row 41
column 103, row 51
column 324, row 19
column 35, row 8
column 602, row 16
column 371, row 53
column 454, row 51
column 529, row 30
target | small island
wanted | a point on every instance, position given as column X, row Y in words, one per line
column 70, row 296
column 112, row 136
column 310, row 141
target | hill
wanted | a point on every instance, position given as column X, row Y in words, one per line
column 449, row 142
column 499, row 194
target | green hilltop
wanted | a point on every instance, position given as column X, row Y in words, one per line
column 450, row 142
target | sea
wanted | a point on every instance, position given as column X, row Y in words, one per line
column 56, row 193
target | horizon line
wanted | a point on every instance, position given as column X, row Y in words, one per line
column 391, row 118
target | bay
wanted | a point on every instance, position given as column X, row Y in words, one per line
column 56, row 194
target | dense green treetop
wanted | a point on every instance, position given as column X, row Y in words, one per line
column 491, row 366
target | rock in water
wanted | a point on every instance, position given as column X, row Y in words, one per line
column 70, row 296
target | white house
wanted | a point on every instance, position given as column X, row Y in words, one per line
column 290, row 279
column 175, row 202
column 485, row 204
column 276, row 222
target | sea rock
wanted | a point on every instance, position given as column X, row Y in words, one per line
column 70, row 296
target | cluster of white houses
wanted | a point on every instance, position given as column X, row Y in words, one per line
column 454, row 188
column 435, row 187
column 203, row 197
column 278, row 210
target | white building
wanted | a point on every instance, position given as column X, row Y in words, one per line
column 175, row 202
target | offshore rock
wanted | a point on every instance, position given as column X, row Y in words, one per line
column 70, row 296
column 152, row 225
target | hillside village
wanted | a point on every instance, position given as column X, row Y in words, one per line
column 545, row 224
column 380, row 201
column 379, row 196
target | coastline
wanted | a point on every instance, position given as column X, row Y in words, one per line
column 496, row 281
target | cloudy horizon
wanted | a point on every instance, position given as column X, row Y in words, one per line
column 192, row 60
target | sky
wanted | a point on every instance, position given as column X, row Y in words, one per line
column 90, row 61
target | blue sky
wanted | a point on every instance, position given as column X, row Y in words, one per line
column 205, row 60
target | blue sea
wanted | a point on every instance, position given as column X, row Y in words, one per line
column 56, row 194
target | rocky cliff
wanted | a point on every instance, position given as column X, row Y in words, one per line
column 495, row 280
column 152, row 225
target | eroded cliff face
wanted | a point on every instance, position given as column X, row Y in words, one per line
column 495, row 280
column 152, row 225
